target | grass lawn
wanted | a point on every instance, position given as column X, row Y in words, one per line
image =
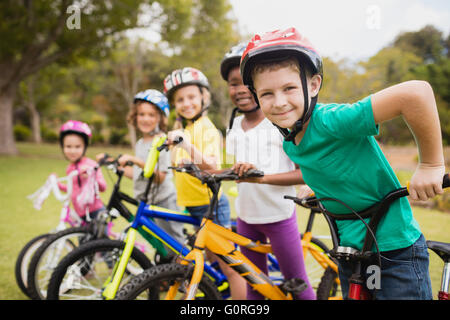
column 19, row 221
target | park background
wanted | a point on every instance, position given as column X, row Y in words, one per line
column 85, row 60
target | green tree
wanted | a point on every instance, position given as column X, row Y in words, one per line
column 426, row 43
column 202, row 43
column 438, row 75
column 37, row 33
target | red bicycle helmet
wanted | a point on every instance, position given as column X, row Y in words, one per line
column 183, row 77
column 279, row 45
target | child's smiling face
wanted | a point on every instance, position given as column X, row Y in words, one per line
column 240, row 95
column 188, row 101
column 147, row 117
column 280, row 95
column 73, row 147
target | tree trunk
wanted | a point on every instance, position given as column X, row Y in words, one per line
column 7, row 143
column 34, row 113
column 35, row 122
column 132, row 134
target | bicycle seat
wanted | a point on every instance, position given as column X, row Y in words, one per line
column 442, row 249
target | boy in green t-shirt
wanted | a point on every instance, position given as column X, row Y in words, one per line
column 339, row 158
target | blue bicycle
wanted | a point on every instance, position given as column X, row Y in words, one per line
column 96, row 270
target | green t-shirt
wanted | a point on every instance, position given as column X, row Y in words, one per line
column 340, row 158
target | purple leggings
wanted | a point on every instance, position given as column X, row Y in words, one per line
column 286, row 245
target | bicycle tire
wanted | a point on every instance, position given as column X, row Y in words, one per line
column 328, row 286
column 39, row 269
column 23, row 261
column 154, row 279
column 77, row 260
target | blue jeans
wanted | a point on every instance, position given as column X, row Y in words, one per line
column 404, row 274
column 221, row 214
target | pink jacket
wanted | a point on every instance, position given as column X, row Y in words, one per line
column 79, row 181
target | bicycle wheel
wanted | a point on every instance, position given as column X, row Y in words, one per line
column 328, row 286
column 23, row 260
column 84, row 272
column 154, row 283
column 49, row 254
column 315, row 270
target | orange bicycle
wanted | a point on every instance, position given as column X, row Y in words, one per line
column 187, row 280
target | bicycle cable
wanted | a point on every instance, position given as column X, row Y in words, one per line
column 359, row 217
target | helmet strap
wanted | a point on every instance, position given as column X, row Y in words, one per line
column 307, row 111
column 236, row 110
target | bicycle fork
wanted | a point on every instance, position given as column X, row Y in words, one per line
column 445, row 281
column 357, row 289
column 119, row 269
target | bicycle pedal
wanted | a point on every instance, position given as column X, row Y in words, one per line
column 294, row 286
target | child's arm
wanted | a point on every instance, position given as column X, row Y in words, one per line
column 100, row 180
column 415, row 102
column 203, row 162
column 289, row 178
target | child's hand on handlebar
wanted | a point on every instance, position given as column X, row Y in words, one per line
column 426, row 182
column 304, row 191
column 175, row 135
column 126, row 159
column 99, row 157
column 240, row 168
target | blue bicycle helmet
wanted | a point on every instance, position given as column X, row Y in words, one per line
column 155, row 97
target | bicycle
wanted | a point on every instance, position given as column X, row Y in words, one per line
column 67, row 218
column 69, row 267
column 357, row 285
column 108, row 288
column 57, row 245
column 189, row 276
column 442, row 249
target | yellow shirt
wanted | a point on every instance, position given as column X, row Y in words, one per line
column 207, row 139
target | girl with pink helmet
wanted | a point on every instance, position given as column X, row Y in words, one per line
column 74, row 139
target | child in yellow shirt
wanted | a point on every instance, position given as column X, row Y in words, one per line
column 187, row 90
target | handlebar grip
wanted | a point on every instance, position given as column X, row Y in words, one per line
column 254, row 173
column 165, row 145
column 129, row 163
column 103, row 160
column 177, row 140
column 446, row 181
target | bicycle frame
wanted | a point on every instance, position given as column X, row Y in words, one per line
column 219, row 240
column 357, row 289
column 143, row 220
column 66, row 216
column 322, row 259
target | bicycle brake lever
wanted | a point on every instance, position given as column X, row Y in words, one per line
column 304, row 202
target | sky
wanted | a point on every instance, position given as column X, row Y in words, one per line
column 351, row 29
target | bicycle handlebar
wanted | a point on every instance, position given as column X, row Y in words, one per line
column 374, row 212
column 165, row 145
column 204, row 176
column 309, row 202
